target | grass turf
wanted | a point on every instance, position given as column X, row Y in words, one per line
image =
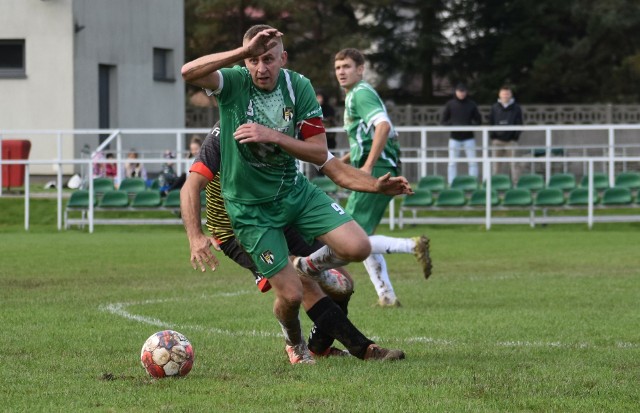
column 515, row 319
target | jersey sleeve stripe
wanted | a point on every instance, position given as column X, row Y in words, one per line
column 202, row 169
column 292, row 95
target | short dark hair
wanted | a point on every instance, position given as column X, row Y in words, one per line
column 253, row 30
column 351, row 53
column 506, row 87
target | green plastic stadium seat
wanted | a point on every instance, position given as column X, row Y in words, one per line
column 147, row 199
column 173, row 199
column 532, row 182
column 600, row 181
column 155, row 184
column 550, row 197
column 580, row 197
column 517, row 198
column 499, row 182
column 132, row 185
column 434, row 183
column 102, row 185
column 479, row 198
column 114, row 199
column 629, row 180
column 80, row 199
column 326, row 184
column 451, row 198
column 421, row 198
column 617, row 196
column 465, row 183
column 564, row 182
column 203, row 198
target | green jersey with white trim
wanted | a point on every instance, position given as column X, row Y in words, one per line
column 362, row 108
column 261, row 172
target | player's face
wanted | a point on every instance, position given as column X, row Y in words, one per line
column 265, row 68
column 347, row 73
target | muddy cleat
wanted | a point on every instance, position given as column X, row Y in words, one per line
column 385, row 301
column 421, row 251
column 375, row 352
column 331, row 352
column 299, row 265
column 299, row 354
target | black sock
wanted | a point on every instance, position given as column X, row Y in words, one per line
column 330, row 322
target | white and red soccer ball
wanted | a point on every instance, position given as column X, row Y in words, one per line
column 167, row 353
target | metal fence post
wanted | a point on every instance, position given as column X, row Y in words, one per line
column 26, row 196
column 486, row 175
column 590, row 194
column 547, row 144
column 91, row 197
column 59, row 181
column 423, row 152
column 612, row 166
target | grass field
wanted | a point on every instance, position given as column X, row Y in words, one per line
column 515, row 319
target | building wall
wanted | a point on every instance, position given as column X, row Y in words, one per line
column 123, row 33
column 44, row 98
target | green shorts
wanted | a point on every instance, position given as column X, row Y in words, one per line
column 367, row 208
column 259, row 227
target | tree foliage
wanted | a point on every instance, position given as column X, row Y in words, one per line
column 571, row 51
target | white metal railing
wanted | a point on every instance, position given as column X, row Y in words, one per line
column 422, row 160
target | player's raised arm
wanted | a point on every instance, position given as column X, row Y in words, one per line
column 202, row 71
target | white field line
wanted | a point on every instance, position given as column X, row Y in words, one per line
column 120, row 309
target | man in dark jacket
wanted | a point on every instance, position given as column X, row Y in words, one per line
column 461, row 111
column 505, row 112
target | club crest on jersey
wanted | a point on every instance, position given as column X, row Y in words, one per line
column 287, row 113
column 250, row 108
column 267, row 257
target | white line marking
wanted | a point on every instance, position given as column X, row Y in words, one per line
column 120, row 309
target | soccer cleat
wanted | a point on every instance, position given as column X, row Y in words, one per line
column 299, row 354
column 375, row 352
column 297, row 264
column 385, row 301
column 331, row 352
column 421, row 251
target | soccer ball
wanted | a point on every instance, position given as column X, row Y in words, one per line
column 167, row 353
column 334, row 283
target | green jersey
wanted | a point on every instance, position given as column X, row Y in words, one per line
column 258, row 172
column 363, row 108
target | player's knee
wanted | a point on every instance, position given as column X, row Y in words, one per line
column 358, row 249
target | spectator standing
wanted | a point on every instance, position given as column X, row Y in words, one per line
column 461, row 111
column 505, row 112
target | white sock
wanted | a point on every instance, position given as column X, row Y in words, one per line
column 323, row 259
column 381, row 244
column 377, row 269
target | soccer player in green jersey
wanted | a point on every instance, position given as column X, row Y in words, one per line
column 264, row 108
column 374, row 149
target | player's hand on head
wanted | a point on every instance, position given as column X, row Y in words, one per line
column 263, row 42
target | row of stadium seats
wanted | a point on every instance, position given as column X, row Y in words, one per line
column 519, row 197
column 118, row 199
column 533, row 182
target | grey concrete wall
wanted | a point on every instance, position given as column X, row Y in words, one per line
column 123, row 33
column 44, row 98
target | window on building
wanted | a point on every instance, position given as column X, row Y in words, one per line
column 12, row 61
column 163, row 65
